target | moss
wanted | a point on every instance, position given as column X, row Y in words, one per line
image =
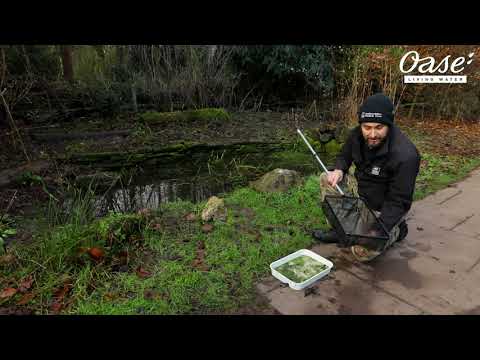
column 209, row 114
column 332, row 147
column 153, row 117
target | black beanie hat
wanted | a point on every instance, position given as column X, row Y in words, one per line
column 377, row 108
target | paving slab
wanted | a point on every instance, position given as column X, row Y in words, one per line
column 435, row 270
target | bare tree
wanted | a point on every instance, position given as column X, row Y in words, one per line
column 67, row 62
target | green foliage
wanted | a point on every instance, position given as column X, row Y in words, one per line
column 117, row 229
column 7, row 229
column 39, row 61
column 295, row 68
column 29, row 179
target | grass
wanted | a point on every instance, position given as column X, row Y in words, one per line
column 190, row 271
column 439, row 171
column 438, row 167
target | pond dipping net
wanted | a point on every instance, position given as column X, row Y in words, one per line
column 355, row 222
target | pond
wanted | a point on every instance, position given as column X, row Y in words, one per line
column 151, row 187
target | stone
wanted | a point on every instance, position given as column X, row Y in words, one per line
column 214, row 209
column 278, row 180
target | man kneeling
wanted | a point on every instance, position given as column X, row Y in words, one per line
column 386, row 168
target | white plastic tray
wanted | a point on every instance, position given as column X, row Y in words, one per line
column 302, row 285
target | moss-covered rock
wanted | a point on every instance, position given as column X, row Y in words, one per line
column 278, row 180
column 153, row 117
column 214, row 210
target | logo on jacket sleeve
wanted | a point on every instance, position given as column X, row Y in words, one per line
column 375, row 170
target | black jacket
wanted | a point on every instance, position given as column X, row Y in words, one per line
column 386, row 177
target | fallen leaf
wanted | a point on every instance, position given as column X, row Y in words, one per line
column 150, row 294
column 207, row 228
column 8, row 292
column 190, row 217
column 25, row 284
column 25, row 299
column 59, row 295
column 96, row 253
column 109, row 296
column 142, row 273
column 61, row 292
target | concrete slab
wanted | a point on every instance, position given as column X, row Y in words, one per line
column 339, row 294
column 453, row 249
column 422, row 282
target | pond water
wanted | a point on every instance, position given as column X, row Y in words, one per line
column 150, row 188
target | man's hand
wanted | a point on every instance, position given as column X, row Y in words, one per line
column 334, row 177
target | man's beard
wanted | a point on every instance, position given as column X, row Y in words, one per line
column 376, row 144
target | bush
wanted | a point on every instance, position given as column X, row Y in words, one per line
column 287, row 71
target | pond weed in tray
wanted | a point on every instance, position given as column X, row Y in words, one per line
column 301, row 268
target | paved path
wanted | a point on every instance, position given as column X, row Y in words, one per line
column 435, row 270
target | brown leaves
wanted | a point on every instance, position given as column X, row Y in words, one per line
column 451, row 137
column 152, row 295
column 207, row 228
column 21, row 288
column 96, row 254
column 190, row 217
column 200, row 258
column 142, row 273
column 25, row 284
column 59, row 296
column 157, row 227
column 26, row 299
column 7, row 293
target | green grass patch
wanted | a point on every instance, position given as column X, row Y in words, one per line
column 438, row 171
column 189, row 271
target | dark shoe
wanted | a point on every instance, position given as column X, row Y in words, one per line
column 403, row 230
column 328, row 237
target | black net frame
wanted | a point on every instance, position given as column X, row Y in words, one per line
column 340, row 210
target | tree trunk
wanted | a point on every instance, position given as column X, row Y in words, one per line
column 211, row 53
column 3, row 69
column 3, row 111
column 134, row 97
column 67, row 62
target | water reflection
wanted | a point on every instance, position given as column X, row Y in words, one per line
column 149, row 190
column 152, row 195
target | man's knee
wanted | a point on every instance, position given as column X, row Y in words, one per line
column 324, row 179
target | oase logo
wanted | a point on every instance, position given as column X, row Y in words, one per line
column 427, row 65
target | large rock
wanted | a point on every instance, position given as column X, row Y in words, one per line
column 278, row 180
column 214, row 210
